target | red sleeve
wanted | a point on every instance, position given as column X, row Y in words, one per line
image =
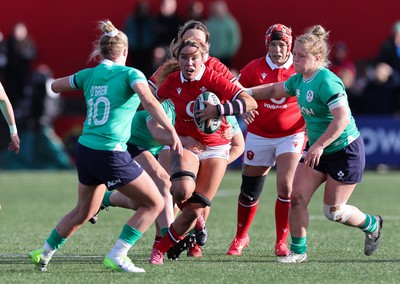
column 223, row 88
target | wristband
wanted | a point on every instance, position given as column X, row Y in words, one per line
column 13, row 129
column 236, row 107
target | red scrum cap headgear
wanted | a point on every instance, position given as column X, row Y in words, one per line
column 279, row 32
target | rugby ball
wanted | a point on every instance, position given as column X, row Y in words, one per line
column 199, row 105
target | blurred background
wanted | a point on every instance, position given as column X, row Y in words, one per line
column 45, row 39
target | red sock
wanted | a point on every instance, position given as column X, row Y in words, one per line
column 168, row 240
column 156, row 240
column 282, row 206
column 245, row 216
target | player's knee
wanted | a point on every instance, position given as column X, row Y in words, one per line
column 251, row 188
column 181, row 190
column 338, row 213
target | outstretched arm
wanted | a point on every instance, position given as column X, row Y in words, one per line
column 8, row 112
column 268, row 91
column 61, row 85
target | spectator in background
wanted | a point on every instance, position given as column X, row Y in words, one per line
column 390, row 49
column 381, row 93
column 3, row 57
column 45, row 106
column 159, row 57
column 346, row 70
column 43, row 148
column 21, row 52
column 340, row 60
column 195, row 11
column 139, row 27
column 226, row 36
column 167, row 22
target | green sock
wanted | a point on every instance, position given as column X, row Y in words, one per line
column 130, row 234
column 106, row 199
column 299, row 245
column 55, row 240
column 164, row 231
column 369, row 225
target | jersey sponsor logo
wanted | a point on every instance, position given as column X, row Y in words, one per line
column 307, row 111
column 271, row 106
column 179, row 90
column 310, row 96
column 190, row 110
column 113, row 182
column 250, row 155
column 263, row 75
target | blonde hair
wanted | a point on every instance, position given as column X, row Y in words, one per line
column 316, row 42
column 110, row 44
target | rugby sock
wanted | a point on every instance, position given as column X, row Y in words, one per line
column 126, row 240
column 369, row 225
column 55, row 241
column 106, row 199
column 171, row 238
column 282, row 206
column 299, row 245
column 130, row 234
column 245, row 215
column 156, row 241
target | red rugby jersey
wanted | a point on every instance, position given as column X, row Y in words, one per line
column 277, row 118
column 183, row 94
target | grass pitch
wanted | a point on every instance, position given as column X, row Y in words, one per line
column 33, row 202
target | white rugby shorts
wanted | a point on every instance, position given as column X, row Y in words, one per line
column 261, row 151
column 221, row 151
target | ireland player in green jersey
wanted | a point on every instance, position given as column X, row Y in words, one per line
column 112, row 92
column 335, row 153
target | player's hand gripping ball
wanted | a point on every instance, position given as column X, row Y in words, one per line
column 211, row 125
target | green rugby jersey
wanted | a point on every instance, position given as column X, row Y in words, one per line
column 111, row 104
column 140, row 134
column 316, row 96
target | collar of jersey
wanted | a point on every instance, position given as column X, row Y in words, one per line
column 273, row 66
column 108, row 62
column 313, row 75
column 198, row 77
